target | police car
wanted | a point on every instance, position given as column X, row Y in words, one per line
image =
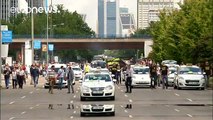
column 189, row 76
column 141, row 76
column 97, row 85
column 94, row 109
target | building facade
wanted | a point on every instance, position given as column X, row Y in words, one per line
column 5, row 9
column 108, row 18
column 127, row 22
column 148, row 10
column 36, row 3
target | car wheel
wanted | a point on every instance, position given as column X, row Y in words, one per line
column 83, row 98
column 203, row 88
column 82, row 114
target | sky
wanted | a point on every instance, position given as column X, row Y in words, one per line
column 90, row 7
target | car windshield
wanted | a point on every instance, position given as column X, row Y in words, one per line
column 102, row 77
column 76, row 69
column 189, row 70
column 141, row 70
column 171, row 71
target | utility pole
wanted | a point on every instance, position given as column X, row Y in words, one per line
column 0, row 55
column 32, row 32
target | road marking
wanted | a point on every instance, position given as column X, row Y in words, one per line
column 118, row 87
column 125, row 111
column 71, row 101
column 11, row 118
column 177, row 94
column 71, row 117
column 122, row 90
column 130, row 100
column 12, row 102
column 23, row 112
column 74, row 112
column 37, row 89
column 37, row 105
column 76, row 107
column 177, row 110
column 122, row 106
column 189, row 115
column 167, row 105
column 189, row 99
column 31, row 92
column 23, row 97
column 31, row 108
column 130, row 116
column 125, row 95
column 74, row 96
column 78, row 88
column 76, row 91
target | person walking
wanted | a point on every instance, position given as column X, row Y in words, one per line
column 60, row 76
column 51, row 76
column 208, row 70
column 164, row 75
column 128, row 82
column 153, row 75
column 7, row 76
column 70, row 79
column 35, row 75
column 14, row 78
column 21, row 77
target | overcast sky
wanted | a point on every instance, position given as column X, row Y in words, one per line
column 89, row 7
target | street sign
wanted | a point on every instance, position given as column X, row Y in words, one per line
column 51, row 47
column 7, row 36
column 37, row 44
column 44, row 47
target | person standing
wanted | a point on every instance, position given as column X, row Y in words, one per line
column 153, row 75
column 207, row 69
column 164, row 75
column 21, row 77
column 51, row 75
column 61, row 74
column 70, row 79
column 128, row 81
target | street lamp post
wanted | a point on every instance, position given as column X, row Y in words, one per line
column 0, row 54
column 32, row 32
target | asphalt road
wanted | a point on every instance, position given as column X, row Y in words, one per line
column 147, row 104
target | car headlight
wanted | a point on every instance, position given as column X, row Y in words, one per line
column 85, row 88
column 109, row 87
column 181, row 78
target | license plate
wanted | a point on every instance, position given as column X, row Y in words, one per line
column 193, row 82
column 97, row 107
column 97, row 92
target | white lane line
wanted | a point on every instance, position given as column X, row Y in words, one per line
column 177, row 94
column 130, row 100
column 74, row 96
column 118, row 87
column 122, row 90
column 76, row 91
column 37, row 105
column 125, row 111
column 31, row 92
column 71, row 117
column 76, row 107
column 31, row 108
column 189, row 99
column 74, row 112
column 125, row 95
column 177, row 110
column 11, row 118
column 23, row 97
column 167, row 105
column 37, row 89
column 122, row 106
column 189, row 115
column 71, row 101
column 23, row 112
column 12, row 102
column 130, row 116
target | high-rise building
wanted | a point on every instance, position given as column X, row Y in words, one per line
column 127, row 22
column 148, row 10
column 108, row 18
column 36, row 3
column 6, row 9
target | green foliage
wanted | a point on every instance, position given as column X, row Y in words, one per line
column 184, row 35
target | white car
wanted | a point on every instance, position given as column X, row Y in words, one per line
column 171, row 76
column 189, row 77
column 97, row 85
column 141, row 76
column 78, row 73
column 92, row 109
column 57, row 67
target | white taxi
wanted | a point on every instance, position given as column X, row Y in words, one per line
column 141, row 76
column 78, row 73
column 97, row 85
column 189, row 77
column 93, row 109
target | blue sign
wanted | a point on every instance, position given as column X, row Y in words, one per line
column 7, row 36
column 37, row 44
column 50, row 47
